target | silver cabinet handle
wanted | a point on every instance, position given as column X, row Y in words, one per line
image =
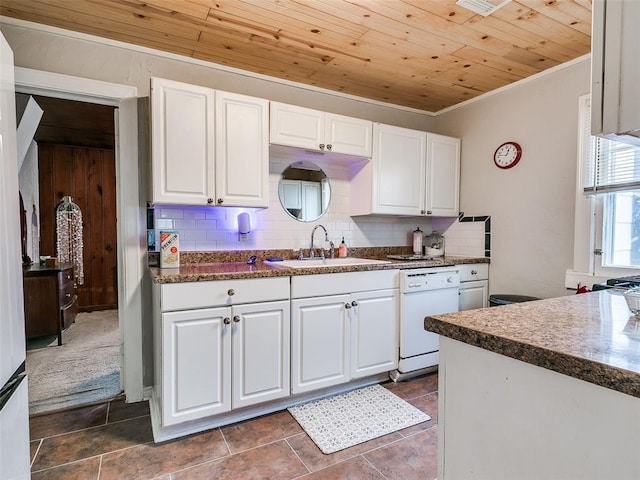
column 226, row 320
column 231, row 292
column 347, row 306
column 236, row 318
column 209, row 201
column 354, row 303
column 474, row 272
column 422, row 212
column 329, row 147
column 220, row 201
column 429, row 212
column 321, row 146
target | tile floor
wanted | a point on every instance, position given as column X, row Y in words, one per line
column 114, row 441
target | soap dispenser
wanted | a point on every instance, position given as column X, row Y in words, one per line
column 342, row 249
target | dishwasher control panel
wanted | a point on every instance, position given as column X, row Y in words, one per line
column 428, row 279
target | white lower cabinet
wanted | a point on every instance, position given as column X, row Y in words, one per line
column 214, row 360
column 321, row 337
column 196, row 361
column 474, row 286
column 339, row 337
column 260, row 353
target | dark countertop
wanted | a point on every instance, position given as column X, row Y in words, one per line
column 36, row 269
column 592, row 337
column 198, row 272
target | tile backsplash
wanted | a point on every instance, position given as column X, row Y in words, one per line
column 207, row 228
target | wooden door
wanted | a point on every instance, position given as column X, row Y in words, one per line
column 88, row 176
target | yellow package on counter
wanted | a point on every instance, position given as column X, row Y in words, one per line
column 169, row 249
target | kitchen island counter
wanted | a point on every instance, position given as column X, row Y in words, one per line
column 593, row 336
column 542, row 389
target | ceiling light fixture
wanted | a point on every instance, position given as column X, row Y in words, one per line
column 483, row 7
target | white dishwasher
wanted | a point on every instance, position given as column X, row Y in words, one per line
column 423, row 292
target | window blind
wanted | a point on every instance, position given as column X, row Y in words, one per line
column 609, row 166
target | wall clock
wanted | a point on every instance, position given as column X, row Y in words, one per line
column 507, row 155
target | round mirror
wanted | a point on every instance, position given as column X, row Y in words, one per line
column 304, row 191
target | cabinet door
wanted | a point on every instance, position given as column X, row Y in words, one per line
column 347, row 135
column 196, row 364
column 473, row 295
column 320, row 339
column 261, row 353
column 296, row 126
column 399, row 170
column 242, row 150
column 443, row 176
column 182, row 142
column 374, row 332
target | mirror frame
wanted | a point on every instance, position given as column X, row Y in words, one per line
column 302, row 182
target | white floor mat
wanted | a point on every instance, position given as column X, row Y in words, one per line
column 339, row 422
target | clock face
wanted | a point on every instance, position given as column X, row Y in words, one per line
column 507, row 155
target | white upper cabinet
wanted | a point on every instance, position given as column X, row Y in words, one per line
column 442, row 176
column 207, row 146
column 411, row 173
column 301, row 127
column 348, row 135
column 242, row 150
column 182, row 142
column 615, row 70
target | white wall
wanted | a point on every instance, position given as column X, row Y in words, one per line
column 532, row 204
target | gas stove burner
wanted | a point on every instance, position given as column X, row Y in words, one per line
column 412, row 257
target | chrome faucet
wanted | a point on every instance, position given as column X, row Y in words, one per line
column 326, row 238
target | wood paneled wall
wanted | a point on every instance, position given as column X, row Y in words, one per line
column 88, row 175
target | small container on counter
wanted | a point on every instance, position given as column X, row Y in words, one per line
column 417, row 241
column 342, row 249
column 434, row 245
column 169, row 249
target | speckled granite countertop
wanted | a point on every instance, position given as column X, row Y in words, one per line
column 198, row 267
column 590, row 336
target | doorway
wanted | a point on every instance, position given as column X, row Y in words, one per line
column 76, row 158
column 130, row 209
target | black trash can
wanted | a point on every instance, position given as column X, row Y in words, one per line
column 497, row 300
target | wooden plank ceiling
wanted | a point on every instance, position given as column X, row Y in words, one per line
column 424, row 54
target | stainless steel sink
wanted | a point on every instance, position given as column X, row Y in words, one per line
column 326, row 262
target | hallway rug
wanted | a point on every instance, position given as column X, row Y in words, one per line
column 339, row 422
column 84, row 369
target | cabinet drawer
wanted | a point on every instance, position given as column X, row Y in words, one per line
column 65, row 277
column 67, row 293
column 473, row 271
column 339, row 283
column 191, row 295
column 69, row 312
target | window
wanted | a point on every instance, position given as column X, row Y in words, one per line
column 611, row 176
column 621, row 229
